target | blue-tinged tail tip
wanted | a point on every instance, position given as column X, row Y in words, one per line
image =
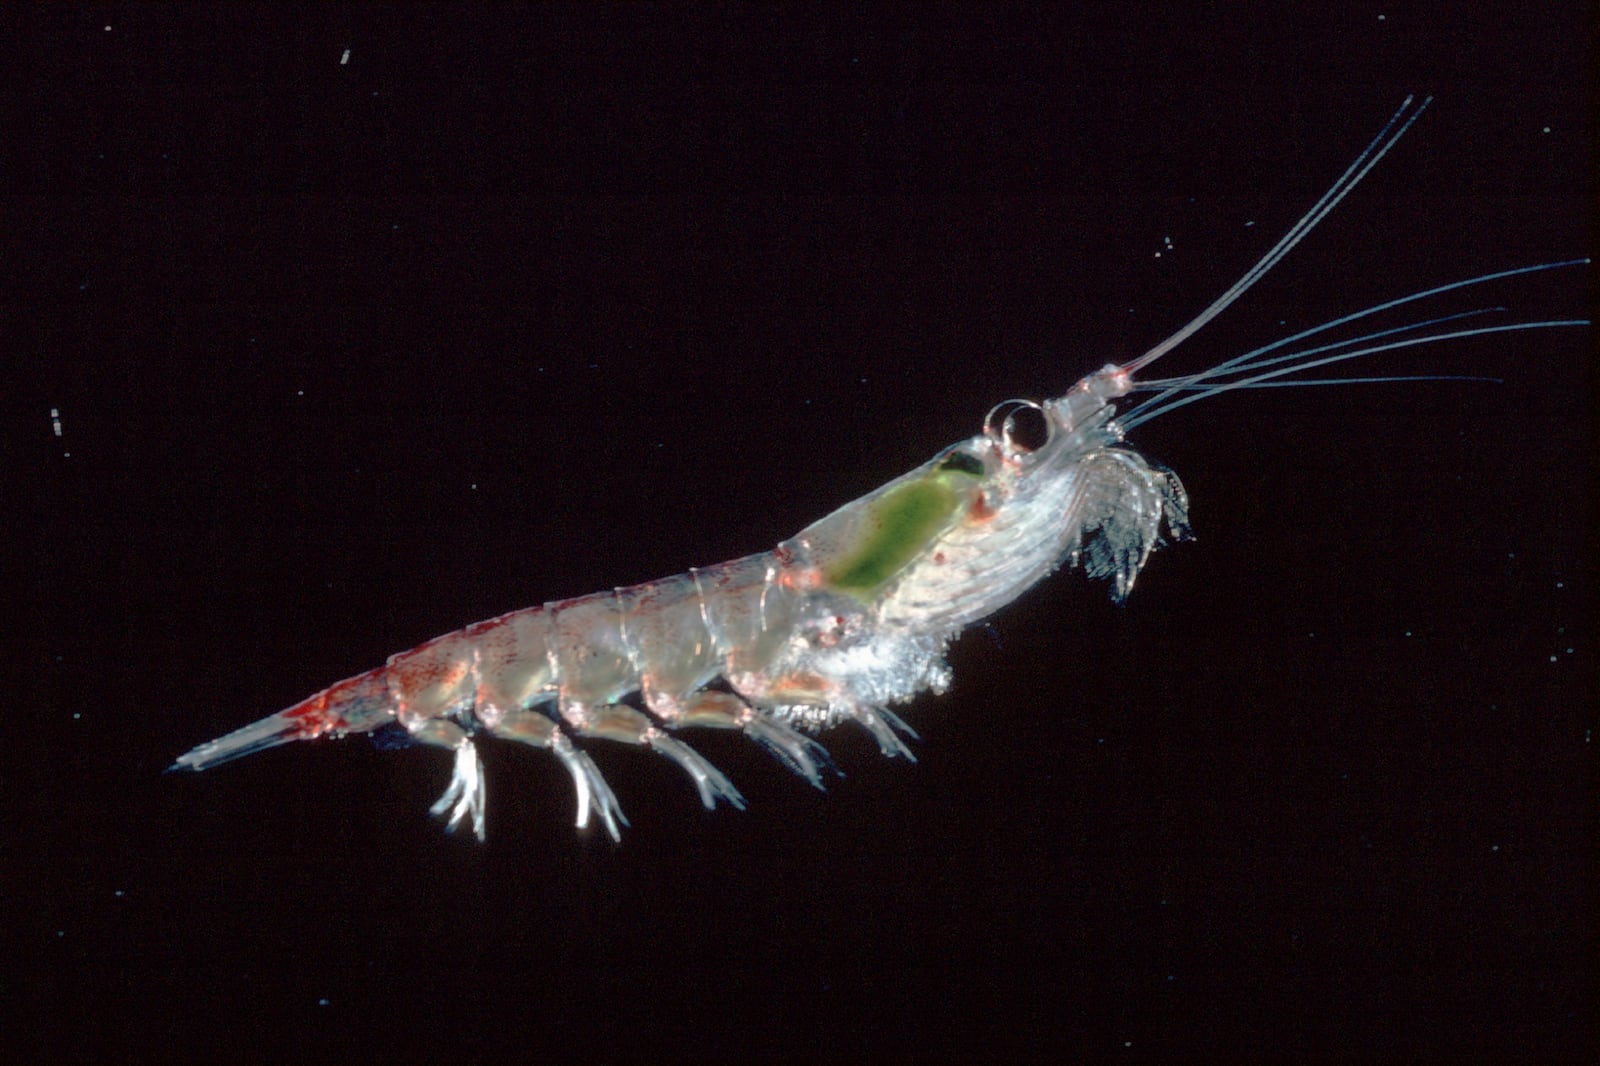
column 269, row 732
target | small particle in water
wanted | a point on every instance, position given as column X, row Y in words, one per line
column 1545, row 130
column 344, row 58
column 322, row 1002
column 1552, row 658
column 119, row 893
column 55, row 420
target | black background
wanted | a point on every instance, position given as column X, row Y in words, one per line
column 522, row 303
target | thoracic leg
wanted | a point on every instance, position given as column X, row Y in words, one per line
column 617, row 722
column 885, row 727
column 466, row 792
column 538, row 731
column 723, row 710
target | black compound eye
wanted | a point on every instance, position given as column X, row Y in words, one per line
column 965, row 462
column 1018, row 426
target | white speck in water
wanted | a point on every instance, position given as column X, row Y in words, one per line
column 1408, row 632
column 1252, row 222
column 474, row 486
column 1494, row 847
column 119, row 893
column 76, row 715
column 1569, row 651
column 1545, row 130
column 1561, row 584
column 1552, row 658
column 55, row 420
column 344, row 58
column 322, row 1002
column 299, row 392
column 108, row 29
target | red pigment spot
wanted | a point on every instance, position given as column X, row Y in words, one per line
column 800, row 579
column 980, row 511
column 308, row 709
column 938, row 557
column 312, row 714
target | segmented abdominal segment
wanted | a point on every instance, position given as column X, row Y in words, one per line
column 850, row 616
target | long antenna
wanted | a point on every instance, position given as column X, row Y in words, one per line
column 1376, row 150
